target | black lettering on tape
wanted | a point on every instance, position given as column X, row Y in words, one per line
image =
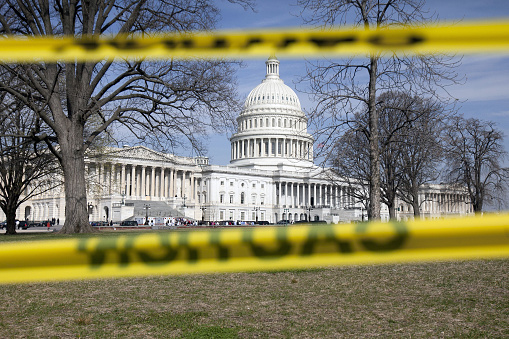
column 87, row 44
column 170, row 44
column 97, row 255
column 187, row 43
column 168, row 256
column 220, row 43
column 253, row 41
column 397, row 242
column 215, row 240
column 192, row 253
column 391, row 41
column 260, row 251
column 127, row 44
column 318, row 235
column 332, row 42
column 287, row 42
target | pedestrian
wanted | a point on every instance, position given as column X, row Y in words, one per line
column 58, row 221
column 48, row 224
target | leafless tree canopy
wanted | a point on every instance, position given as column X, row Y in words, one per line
column 475, row 155
column 26, row 169
column 410, row 149
column 341, row 88
column 170, row 100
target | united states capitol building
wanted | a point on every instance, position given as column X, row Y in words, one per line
column 271, row 176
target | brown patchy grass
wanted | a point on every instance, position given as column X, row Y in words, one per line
column 467, row 299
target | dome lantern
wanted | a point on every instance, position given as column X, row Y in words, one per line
column 272, row 67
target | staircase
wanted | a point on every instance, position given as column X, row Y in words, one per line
column 157, row 209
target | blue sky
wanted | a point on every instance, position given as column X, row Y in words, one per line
column 484, row 94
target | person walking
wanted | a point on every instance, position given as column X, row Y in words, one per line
column 48, row 225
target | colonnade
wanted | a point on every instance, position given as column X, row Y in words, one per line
column 295, row 195
column 272, row 147
column 443, row 203
column 140, row 181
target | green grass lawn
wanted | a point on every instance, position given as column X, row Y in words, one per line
column 467, row 299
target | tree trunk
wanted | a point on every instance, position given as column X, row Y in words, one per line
column 374, row 148
column 76, row 211
column 392, row 212
column 10, row 216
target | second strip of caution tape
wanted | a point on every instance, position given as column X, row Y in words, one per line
column 254, row 249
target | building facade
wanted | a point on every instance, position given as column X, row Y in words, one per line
column 271, row 176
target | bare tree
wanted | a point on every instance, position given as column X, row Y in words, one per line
column 350, row 163
column 397, row 113
column 421, row 149
column 341, row 88
column 474, row 153
column 168, row 100
column 26, row 169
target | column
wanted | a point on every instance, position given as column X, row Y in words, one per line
column 298, row 194
column 123, row 189
column 143, row 181
column 184, row 183
column 277, row 145
column 133, row 180
column 164, row 188
column 172, row 182
column 192, row 187
column 152, row 182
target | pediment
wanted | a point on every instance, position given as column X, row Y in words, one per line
column 141, row 153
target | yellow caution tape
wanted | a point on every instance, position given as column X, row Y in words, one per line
column 253, row 249
column 468, row 37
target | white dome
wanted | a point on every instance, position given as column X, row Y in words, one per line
column 272, row 128
column 272, row 91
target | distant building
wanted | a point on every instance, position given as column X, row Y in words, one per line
column 271, row 176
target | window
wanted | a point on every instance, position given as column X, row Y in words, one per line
column 263, row 185
column 261, row 122
column 231, row 215
column 242, row 198
column 242, row 184
column 221, row 215
column 231, row 198
column 250, row 123
column 262, row 200
column 254, row 185
column 221, row 198
column 222, row 183
column 242, row 216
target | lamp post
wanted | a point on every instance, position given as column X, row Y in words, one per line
column 286, row 210
column 256, row 209
column 90, row 208
column 123, row 198
column 147, row 207
column 184, row 197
